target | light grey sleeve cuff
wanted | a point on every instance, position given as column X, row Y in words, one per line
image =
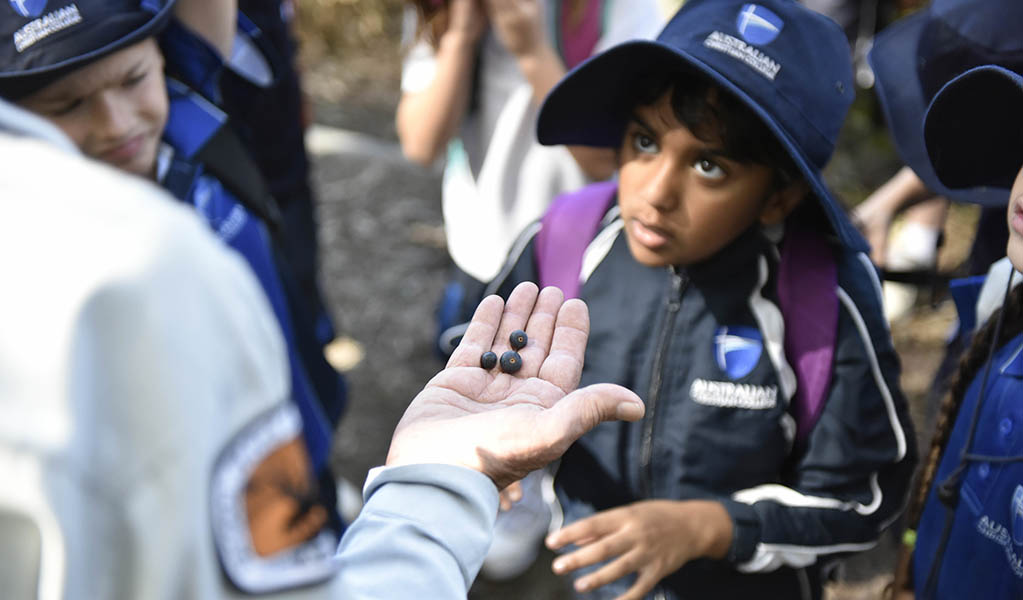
column 431, row 523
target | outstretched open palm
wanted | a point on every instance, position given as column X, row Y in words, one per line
column 506, row 425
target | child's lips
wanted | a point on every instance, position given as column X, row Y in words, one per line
column 1016, row 218
column 651, row 236
column 125, row 150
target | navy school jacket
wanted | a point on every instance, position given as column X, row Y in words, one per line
column 703, row 347
column 194, row 119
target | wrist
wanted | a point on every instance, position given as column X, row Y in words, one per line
column 717, row 533
column 457, row 41
column 537, row 57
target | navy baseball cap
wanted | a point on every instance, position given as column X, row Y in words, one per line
column 914, row 57
column 974, row 129
column 789, row 65
column 41, row 40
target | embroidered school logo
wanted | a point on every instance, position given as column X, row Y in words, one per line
column 757, row 25
column 29, row 9
column 738, row 350
column 1017, row 516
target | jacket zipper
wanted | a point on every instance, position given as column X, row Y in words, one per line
column 679, row 283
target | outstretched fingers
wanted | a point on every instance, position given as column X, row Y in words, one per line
column 540, row 330
column 564, row 362
column 479, row 336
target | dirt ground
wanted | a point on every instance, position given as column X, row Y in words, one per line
column 384, row 263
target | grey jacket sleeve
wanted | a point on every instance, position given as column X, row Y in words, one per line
column 423, row 533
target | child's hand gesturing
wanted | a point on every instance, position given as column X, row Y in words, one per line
column 519, row 25
column 466, row 17
column 652, row 538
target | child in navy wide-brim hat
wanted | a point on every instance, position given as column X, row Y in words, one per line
column 973, row 135
column 728, row 289
column 148, row 107
column 784, row 63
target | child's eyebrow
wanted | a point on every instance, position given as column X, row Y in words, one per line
column 639, row 121
column 721, row 153
column 78, row 89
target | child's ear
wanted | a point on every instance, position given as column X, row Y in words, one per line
column 782, row 202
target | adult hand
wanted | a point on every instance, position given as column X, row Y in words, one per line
column 466, row 18
column 508, row 425
column 519, row 25
column 652, row 538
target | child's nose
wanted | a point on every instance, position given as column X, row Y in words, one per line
column 663, row 189
column 113, row 116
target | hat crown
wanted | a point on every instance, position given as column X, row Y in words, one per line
column 990, row 24
column 794, row 63
column 40, row 36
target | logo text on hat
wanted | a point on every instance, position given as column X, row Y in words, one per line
column 736, row 48
column 758, row 25
column 41, row 28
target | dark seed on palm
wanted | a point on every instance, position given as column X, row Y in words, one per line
column 511, row 362
column 518, row 339
column 488, row 360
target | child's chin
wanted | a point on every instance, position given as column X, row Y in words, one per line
column 647, row 257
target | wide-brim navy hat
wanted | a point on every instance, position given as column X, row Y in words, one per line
column 974, row 129
column 789, row 65
column 41, row 41
column 914, row 57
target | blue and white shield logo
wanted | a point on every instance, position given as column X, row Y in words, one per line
column 758, row 25
column 29, row 9
column 1017, row 516
column 738, row 350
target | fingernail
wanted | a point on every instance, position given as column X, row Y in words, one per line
column 558, row 566
column 582, row 585
column 629, row 411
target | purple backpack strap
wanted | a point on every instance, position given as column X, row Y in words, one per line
column 807, row 295
column 569, row 226
column 807, row 284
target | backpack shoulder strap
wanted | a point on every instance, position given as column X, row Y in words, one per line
column 807, row 295
column 567, row 229
column 200, row 132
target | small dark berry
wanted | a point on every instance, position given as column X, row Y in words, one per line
column 511, row 362
column 488, row 360
column 518, row 339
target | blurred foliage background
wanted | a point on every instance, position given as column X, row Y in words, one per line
column 350, row 49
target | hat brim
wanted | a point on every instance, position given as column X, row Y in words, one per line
column 18, row 84
column 973, row 129
column 589, row 108
column 893, row 60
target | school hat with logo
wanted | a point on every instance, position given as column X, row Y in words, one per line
column 914, row 57
column 42, row 40
column 974, row 129
column 789, row 65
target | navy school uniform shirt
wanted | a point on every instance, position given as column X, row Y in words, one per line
column 194, row 118
column 703, row 347
column 984, row 555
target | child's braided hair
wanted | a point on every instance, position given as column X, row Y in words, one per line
column 970, row 364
